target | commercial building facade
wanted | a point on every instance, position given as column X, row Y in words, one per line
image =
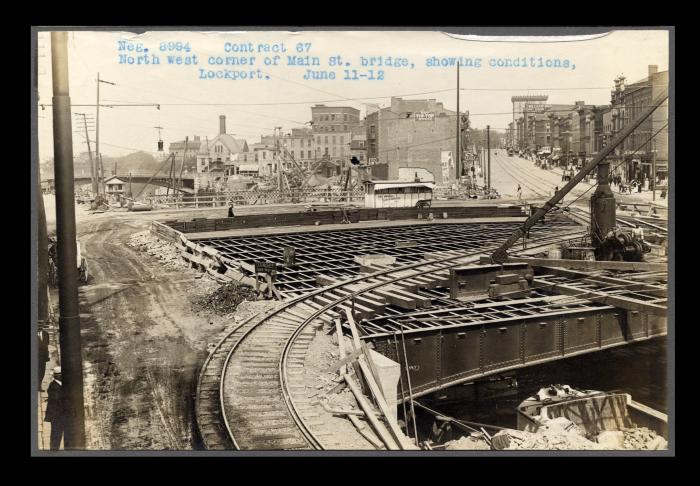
column 646, row 149
column 413, row 133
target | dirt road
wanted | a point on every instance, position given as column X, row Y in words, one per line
column 142, row 343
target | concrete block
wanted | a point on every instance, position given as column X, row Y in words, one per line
column 376, row 259
column 388, row 376
column 507, row 278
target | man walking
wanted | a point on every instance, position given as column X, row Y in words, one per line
column 520, row 193
column 56, row 409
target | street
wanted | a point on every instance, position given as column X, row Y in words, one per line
column 142, row 342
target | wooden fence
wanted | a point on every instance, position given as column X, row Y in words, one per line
column 250, row 198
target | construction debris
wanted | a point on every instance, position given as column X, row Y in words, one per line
column 226, row 298
column 562, row 434
column 643, row 438
column 473, row 442
column 167, row 253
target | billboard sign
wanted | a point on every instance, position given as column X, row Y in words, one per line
column 424, row 116
column 535, row 108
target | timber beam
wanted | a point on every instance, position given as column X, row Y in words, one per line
column 592, row 265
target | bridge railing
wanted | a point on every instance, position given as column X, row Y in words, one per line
column 250, row 198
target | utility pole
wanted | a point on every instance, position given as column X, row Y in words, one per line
column 488, row 155
column 102, row 175
column 97, row 116
column 653, row 171
column 69, row 311
column 279, row 158
column 92, row 164
column 182, row 167
column 458, row 158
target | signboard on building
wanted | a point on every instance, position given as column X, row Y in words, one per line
column 535, row 108
column 424, row 116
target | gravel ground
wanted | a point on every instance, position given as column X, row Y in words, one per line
column 321, row 354
column 143, row 342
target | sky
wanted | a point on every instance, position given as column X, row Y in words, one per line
column 253, row 107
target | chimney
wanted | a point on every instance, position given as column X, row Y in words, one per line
column 653, row 69
column 222, row 124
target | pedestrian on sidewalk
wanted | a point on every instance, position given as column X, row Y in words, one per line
column 56, row 409
column 43, row 355
column 520, row 193
column 230, row 209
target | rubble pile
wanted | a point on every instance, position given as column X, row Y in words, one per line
column 474, row 442
column 226, row 298
column 562, row 434
column 643, row 438
column 166, row 253
column 547, row 438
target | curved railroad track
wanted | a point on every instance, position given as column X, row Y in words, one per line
column 251, row 395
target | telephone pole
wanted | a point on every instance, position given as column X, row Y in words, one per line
column 92, row 164
column 653, row 171
column 69, row 311
column 488, row 156
column 97, row 117
column 458, row 157
column 279, row 158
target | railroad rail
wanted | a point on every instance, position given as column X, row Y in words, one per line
column 251, row 395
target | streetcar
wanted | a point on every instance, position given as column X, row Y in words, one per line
column 398, row 194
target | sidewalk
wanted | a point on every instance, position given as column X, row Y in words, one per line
column 644, row 197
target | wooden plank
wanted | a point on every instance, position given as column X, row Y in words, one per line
column 341, row 344
column 381, row 430
column 341, row 364
column 363, row 430
column 398, row 300
column 374, row 387
column 592, row 265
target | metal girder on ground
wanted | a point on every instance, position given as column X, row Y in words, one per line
column 491, row 338
column 332, row 252
column 625, row 300
column 591, row 264
column 617, row 285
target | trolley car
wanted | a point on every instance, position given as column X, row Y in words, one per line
column 398, row 194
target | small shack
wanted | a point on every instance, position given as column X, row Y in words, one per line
column 115, row 186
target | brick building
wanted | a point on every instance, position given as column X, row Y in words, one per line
column 636, row 153
column 413, row 133
column 333, row 129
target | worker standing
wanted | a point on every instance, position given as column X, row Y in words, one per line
column 43, row 355
column 638, row 233
column 56, row 409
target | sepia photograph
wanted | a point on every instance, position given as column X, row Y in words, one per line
column 352, row 241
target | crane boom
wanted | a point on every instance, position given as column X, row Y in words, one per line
column 500, row 255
